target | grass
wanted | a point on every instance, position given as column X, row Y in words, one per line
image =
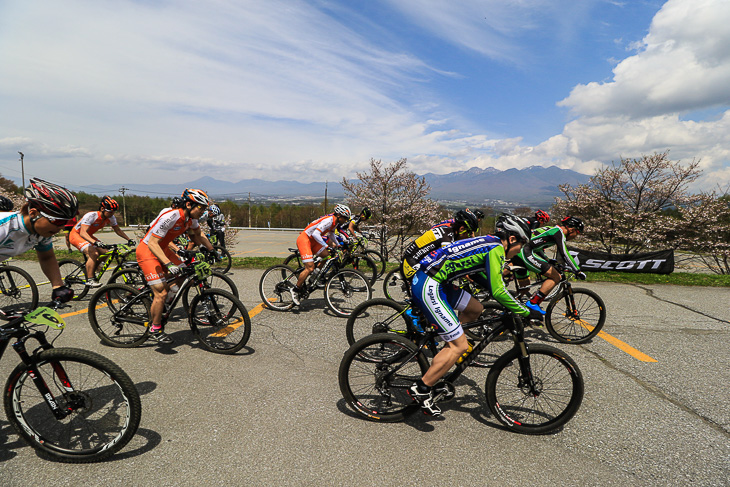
column 676, row 278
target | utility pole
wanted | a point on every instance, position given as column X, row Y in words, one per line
column 22, row 169
column 124, row 203
column 325, row 197
column 249, row 209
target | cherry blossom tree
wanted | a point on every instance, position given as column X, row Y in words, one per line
column 398, row 199
column 706, row 230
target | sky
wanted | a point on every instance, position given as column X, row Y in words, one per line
column 146, row 91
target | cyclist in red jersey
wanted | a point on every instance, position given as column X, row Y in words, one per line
column 311, row 243
column 157, row 260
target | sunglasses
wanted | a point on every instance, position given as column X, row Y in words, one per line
column 55, row 221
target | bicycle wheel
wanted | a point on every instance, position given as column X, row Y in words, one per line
column 101, row 403
column 379, row 260
column 220, row 321
column 364, row 264
column 491, row 310
column 370, row 383
column 217, row 280
column 345, row 290
column 395, row 287
column 131, row 276
column 274, row 286
column 575, row 324
column 293, row 261
column 119, row 315
column 376, row 315
column 18, row 291
column 556, row 397
column 73, row 274
column 225, row 262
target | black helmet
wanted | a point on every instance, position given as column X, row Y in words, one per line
column 467, row 218
column 366, row 213
column 6, row 204
column 512, row 225
column 572, row 222
column 177, row 202
column 479, row 214
column 51, row 200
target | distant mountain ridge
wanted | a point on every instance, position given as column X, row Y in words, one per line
column 533, row 186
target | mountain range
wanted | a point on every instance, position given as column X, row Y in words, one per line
column 532, row 186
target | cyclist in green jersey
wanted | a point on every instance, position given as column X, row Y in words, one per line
column 533, row 258
column 481, row 258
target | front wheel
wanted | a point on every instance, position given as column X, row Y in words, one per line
column 100, row 402
column 224, row 261
column 275, row 287
column 120, row 315
column 18, row 291
column 73, row 274
column 377, row 315
column 375, row 374
column 217, row 280
column 395, row 287
column 345, row 290
column 536, row 395
column 575, row 317
column 378, row 258
column 364, row 264
column 220, row 321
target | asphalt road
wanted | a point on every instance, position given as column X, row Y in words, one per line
column 273, row 415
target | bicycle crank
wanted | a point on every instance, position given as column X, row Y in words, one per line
column 443, row 391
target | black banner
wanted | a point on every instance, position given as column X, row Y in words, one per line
column 660, row 262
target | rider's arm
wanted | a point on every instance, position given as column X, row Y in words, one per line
column 563, row 251
column 49, row 265
column 154, row 245
column 83, row 231
column 495, row 284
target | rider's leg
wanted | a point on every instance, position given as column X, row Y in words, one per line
column 552, row 279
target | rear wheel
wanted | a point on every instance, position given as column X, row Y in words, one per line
column 18, row 291
column 275, row 285
column 73, row 274
column 364, row 264
column 120, row 315
column 345, row 290
column 220, row 321
column 379, row 260
column 395, row 287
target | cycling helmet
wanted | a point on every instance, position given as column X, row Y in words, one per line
column 51, row 200
column 542, row 217
column 467, row 218
column 195, row 196
column 479, row 214
column 366, row 213
column 572, row 222
column 6, row 204
column 177, row 202
column 343, row 210
column 214, row 210
column 511, row 225
column 108, row 204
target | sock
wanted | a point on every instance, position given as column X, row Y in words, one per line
column 537, row 298
column 155, row 327
column 421, row 386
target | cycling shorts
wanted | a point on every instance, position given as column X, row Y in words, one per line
column 152, row 268
column 308, row 247
column 531, row 263
column 77, row 241
column 438, row 302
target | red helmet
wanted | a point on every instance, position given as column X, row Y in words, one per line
column 542, row 217
column 108, row 204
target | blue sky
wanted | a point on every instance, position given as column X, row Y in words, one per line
column 146, row 91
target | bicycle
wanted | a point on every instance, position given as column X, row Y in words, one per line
column 359, row 262
column 73, row 272
column 360, row 245
column 120, row 314
column 223, row 260
column 344, row 288
column 18, row 290
column 531, row 389
column 68, row 404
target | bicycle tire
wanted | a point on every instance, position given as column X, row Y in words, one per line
column 514, row 405
column 224, row 264
column 379, row 260
column 119, row 315
column 345, row 290
column 579, row 326
column 104, row 405
column 395, row 287
column 363, row 382
column 364, row 264
column 293, row 261
column 217, row 280
column 73, row 274
column 18, row 291
column 220, row 321
column 130, row 276
column 377, row 315
column 274, row 287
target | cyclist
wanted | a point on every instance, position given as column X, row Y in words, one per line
column 47, row 210
column 157, row 260
column 311, row 243
column 463, row 225
column 480, row 258
column 82, row 235
column 352, row 226
column 533, row 259
column 540, row 219
column 67, row 230
column 217, row 224
column 6, row 204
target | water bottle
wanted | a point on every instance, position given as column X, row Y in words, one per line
column 414, row 319
column 466, row 354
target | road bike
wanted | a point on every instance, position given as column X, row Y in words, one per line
column 357, row 261
column 18, row 290
column 531, row 389
column 222, row 261
column 119, row 314
column 68, row 404
column 73, row 272
column 344, row 288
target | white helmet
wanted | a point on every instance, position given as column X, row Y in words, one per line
column 343, row 210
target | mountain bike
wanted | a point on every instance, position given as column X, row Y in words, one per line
column 73, row 272
column 69, row 404
column 359, row 262
column 223, row 260
column 18, row 290
column 344, row 288
column 531, row 389
column 120, row 314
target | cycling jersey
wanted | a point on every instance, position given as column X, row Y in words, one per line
column 166, row 227
column 15, row 237
column 436, row 237
column 95, row 221
column 533, row 255
column 311, row 241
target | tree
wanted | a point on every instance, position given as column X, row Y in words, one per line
column 627, row 207
column 706, row 232
column 398, row 199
